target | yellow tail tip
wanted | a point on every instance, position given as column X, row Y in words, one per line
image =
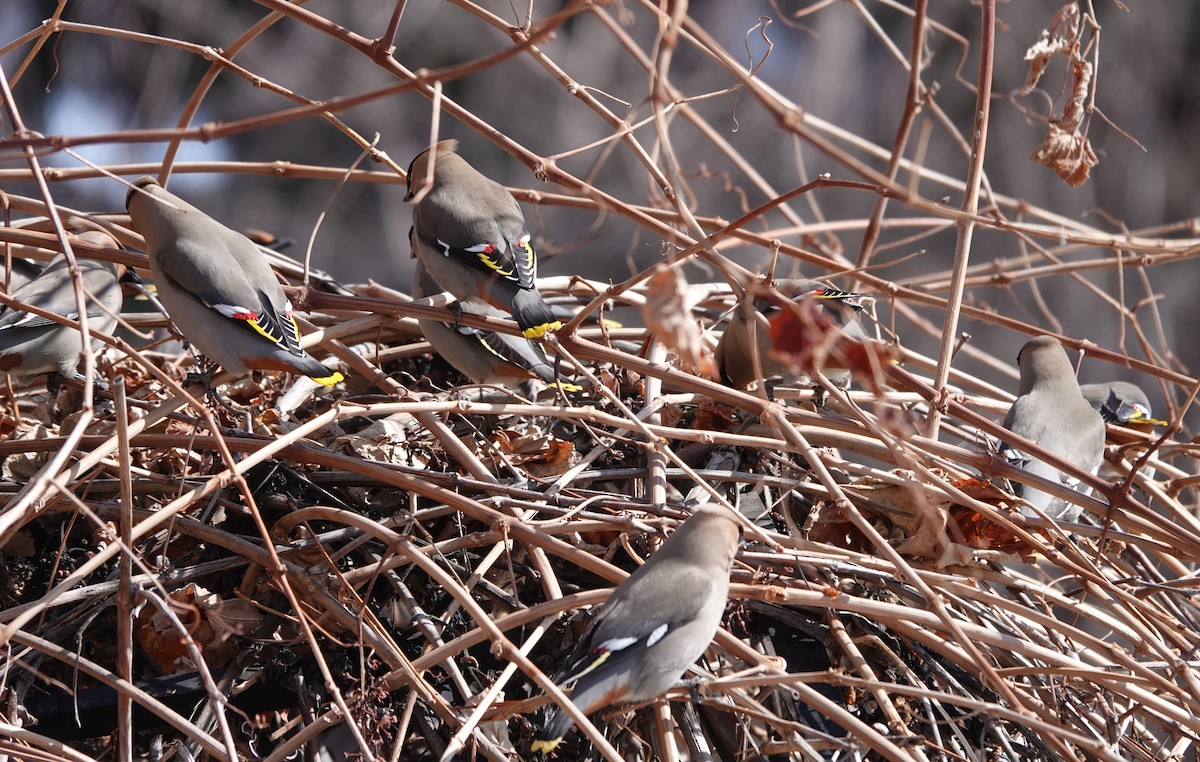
column 329, row 380
column 1148, row 422
column 538, row 331
column 567, row 386
column 545, row 746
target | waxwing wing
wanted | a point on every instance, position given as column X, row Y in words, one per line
column 1120, row 402
column 749, row 333
column 22, row 271
column 218, row 287
column 1050, row 411
column 485, row 357
column 31, row 344
column 469, row 233
column 654, row 625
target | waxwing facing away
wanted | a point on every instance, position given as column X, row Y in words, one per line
column 30, row 344
column 470, row 234
column 1120, row 402
column 218, row 287
column 485, row 357
column 654, row 625
column 735, row 354
column 1050, row 411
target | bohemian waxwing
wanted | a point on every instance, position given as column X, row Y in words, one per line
column 735, row 357
column 1120, row 402
column 470, row 234
column 485, row 357
column 654, row 625
column 218, row 288
column 30, row 344
column 1051, row 412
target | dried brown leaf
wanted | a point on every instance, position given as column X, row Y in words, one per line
column 1069, row 154
column 920, row 514
column 1064, row 149
column 22, row 466
column 1060, row 38
column 385, row 440
column 668, row 315
column 539, row 453
column 166, row 646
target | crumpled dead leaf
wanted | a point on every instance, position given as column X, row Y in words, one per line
column 1068, row 153
column 539, row 453
column 915, row 520
column 385, row 440
column 213, row 623
column 1065, row 149
column 22, row 466
column 668, row 315
column 920, row 513
column 806, row 338
column 1060, row 38
column 977, row 530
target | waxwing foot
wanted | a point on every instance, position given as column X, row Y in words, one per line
column 820, row 396
column 456, row 309
column 212, row 396
column 693, row 687
column 768, row 388
column 98, row 384
column 203, row 379
column 73, row 384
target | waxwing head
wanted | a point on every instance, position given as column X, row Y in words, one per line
column 1120, row 402
column 708, row 537
column 157, row 213
column 1043, row 362
column 418, row 169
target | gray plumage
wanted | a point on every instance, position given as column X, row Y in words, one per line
column 1050, row 411
column 485, row 357
column 218, row 287
column 23, row 271
column 1120, row 402
column 30, row 344
column 747, row 330
column 469, row 233
column 654, row 625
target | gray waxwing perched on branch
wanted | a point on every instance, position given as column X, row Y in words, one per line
column 1120, row 402
column 654, row 625
column 1051, row 412
column 31, row 344
column 485, row 357
column 749, row 333
column 470, row 234
column 218, row 288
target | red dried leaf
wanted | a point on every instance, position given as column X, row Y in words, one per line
column 807, row 338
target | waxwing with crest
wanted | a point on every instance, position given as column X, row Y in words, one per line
column 218, row 288
column 469, row 233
